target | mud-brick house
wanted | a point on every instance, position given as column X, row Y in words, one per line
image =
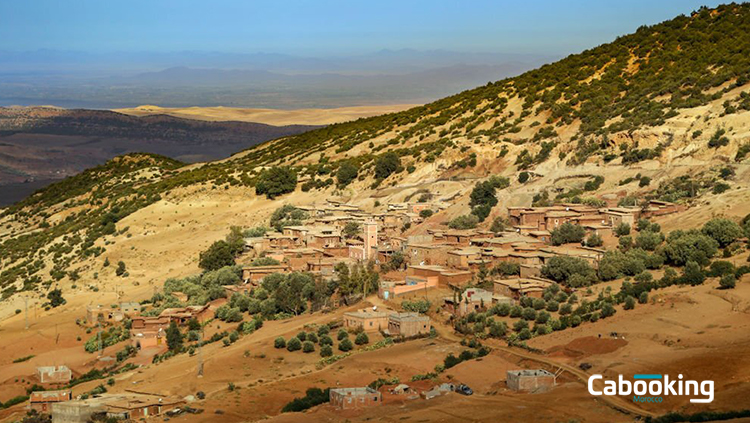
column 280, row 241
column 446, row 277
column 530, row 380
column 141, row 407
column 41, row 401
column 516, row 288
column 389, row 289
column 408, row 324
column 254, row 274
column 148, row 338
column 349, row 398
column 367, row 319
column 184, row 314
column 531, row 218
column 471, row 300
column 54, row 374
column 461, row 258
column 660, row 208
column 427, row 254
column 618, row 215
column 149, row 323
column 460, row 237
column 555, row 219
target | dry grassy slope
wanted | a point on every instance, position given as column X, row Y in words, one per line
column 165, row 238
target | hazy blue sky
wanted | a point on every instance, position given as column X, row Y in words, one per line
column 325, row 26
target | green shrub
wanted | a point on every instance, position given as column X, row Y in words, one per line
column 294, row 344
column 279, row 342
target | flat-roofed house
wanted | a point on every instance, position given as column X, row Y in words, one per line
column 427, row 254
column 555, row 219
column 446, row 277
column 254, row 274
column 618, row 215
column 367, row 319
column 518, row 287
column 660, row 208
column 530, row 380
column 408, row 324
column 473, row 300
column 349, row 398
column 141, row 407
column 460, row 258
column 54, row 374
column 41, row 401
column 391, row 289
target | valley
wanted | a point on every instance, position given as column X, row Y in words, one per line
column 477, row 258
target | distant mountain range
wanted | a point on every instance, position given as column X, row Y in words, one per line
column 74, row 79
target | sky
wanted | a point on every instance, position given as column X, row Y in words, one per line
column 326, row 27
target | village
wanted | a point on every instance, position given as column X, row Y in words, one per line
column 455, row 269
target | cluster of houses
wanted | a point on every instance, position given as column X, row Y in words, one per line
column 57, row 400
column 524, row 380
column 438, row 258
column 406, row 325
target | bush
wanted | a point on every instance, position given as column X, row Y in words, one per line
column 386, row 165
column 55, row 298
column 622, row 229
column 553, row 305
column 308, row 347
column 362, row 339
column 302, row 336
column 279, row 342
column 684, row 246
column 425, row 214
column 498, row 225
column 594, row 240
column 416, row 306
column 693, row 274
column 727, row 282
column 294, row 344
column 523, row 177
column 326, row 351
column 721, row 268
column 218, row 255
column 567, row 233
column 562, row 268
column 468, row 221
column 643, row 298
column 629, row 303
column 313, row 397
column 345, row 345
column 649, row 240
column 276, row 181
column 346, row 173
column 724, row 231
column 342, row 334
column 325, row 340
column 287, row 215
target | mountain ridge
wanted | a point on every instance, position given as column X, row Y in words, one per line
column 589, row 114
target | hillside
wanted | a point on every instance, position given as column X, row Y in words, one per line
column 47, row 143
column 660, row 114
column 650, row 102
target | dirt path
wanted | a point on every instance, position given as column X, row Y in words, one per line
column 616, row 403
